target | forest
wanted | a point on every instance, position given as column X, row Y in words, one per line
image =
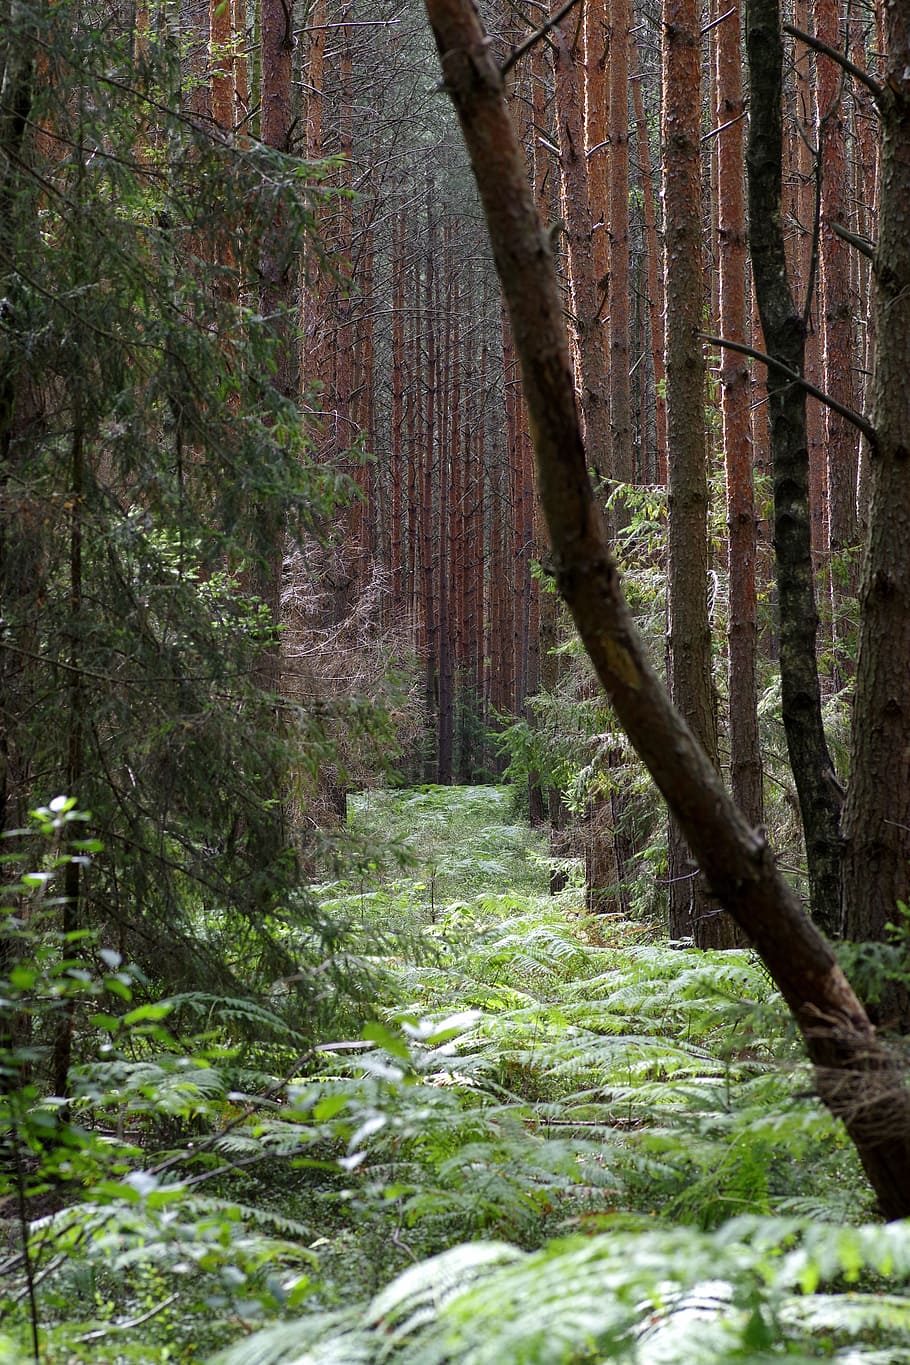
column 454, row 682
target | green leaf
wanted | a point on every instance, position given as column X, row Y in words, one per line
column 329, row 1106
column 152, row 1012
column 394, row 1044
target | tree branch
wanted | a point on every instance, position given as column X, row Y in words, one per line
column 854, row 418
column 855, row 71
column 862, row 244
column 518, row 52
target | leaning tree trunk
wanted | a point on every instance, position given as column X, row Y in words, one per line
column 785, row 334
column 857, row 1078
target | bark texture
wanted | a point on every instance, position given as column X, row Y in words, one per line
column 841, row 439
column 619, row 277
column 742, row 637
column 276, row 292
column 877, row 813
column 588, row 300
column 856, row 1077
column 689, row 636
column 784, row 333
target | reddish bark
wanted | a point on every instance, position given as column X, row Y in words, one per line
column 745, row 753
column 620, row 391
column 653, row 255
column 597, row 142
column 689, row 635
column 396, row 432
column 586, row 297
column 221, row 64
column 429, row 566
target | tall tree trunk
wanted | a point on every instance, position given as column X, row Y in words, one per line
column 396, row 423
column 858, row 1079
column 655, row 278
column 841, row 438
column 240, row 63
column 453, row 678
column 803, row 167
column 429, row 564
column 588, row 299
column 865, row 193
column 16, row 97
column 314, row 282
column 276, row 291
column 72, row 874
column 597, row 136
column 589, row 294
column 877, row 813
column 784, row 332
column 689, row 636
column 745, row 753
column 413, row 414
column 449, row 362
column 620, row 281
column 221, row 65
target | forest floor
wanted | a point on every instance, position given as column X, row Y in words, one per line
column 551, row 1132
column 540, row 1074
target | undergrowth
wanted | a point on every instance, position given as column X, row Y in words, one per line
column 551, row 1141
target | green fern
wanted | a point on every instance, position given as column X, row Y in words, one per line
column 672, row 1296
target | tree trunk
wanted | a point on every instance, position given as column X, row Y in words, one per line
column 398, row 603
column 865, row 193
column 841, row 438
column 856, row 1077
column 655, row 281
column 689, row 637
column 221, row 65
column 588, row 300
column 447, row 423
column 877, row 812
column 619, row 278
column 428, row 524
column 742, row 636
column 784, row 332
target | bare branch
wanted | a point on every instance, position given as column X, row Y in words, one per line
column 862, row 244
column 842, row 60
column 854, row 418
column 518, row 52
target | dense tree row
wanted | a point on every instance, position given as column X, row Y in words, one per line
column 391, row 352
column 654, row 267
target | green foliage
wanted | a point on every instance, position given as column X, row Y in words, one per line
column 643, row 1096
column 149, row 467
column 101, row 1194
column 540, row 1147
column 745, row 1293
